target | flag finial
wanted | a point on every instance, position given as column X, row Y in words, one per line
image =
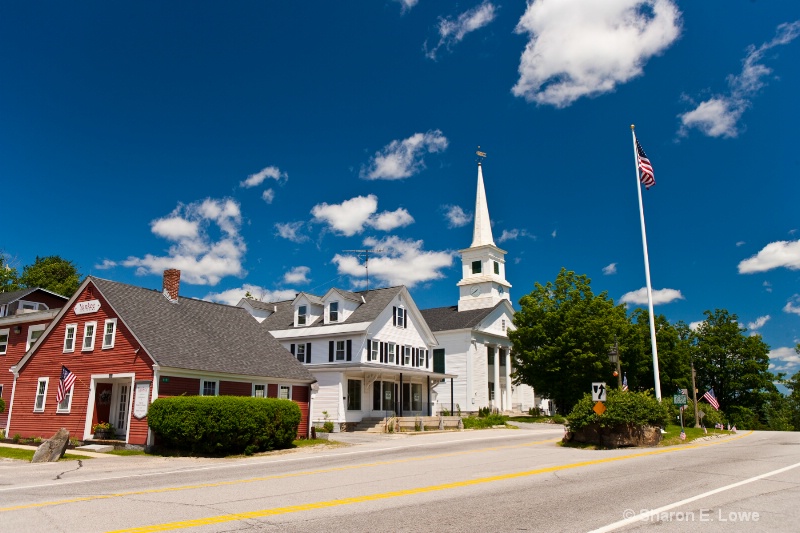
column 632, row 126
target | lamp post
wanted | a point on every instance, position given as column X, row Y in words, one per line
column 613, row 357
column 694, row 397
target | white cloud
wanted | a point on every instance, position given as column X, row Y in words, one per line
column 793, row 305
column 660, row 296
column 767, row 286
column 232, row 296
column 452, row 31
column 403, row 262
column 401, row 159
column 610, row 269
column 268, row 195
column 719, row 115
column 406, row 5
column 389, row 220
column 583, row 48
column 106, row 264
column 555, row 232
column 694, row 326
column 774, row 255
column 349, row 217
column 740, row 243
column 785, row 355
column 514, row 234
column 297, row 275
column 456, row 217
column 201, row 259
column 258, row 178
column 291, row 231
column 758, row 323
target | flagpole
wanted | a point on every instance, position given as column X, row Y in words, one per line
column 647, row 272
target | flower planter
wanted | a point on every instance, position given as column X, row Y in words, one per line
column 104, row 435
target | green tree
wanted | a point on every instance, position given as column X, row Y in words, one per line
column 735, row 365
column 674, row 354
column 52, row 273
column 8, row 275
column 562, row 339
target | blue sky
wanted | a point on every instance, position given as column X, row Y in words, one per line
column 249, row 144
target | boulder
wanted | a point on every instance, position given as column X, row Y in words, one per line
column 620, row 436
column 53, row 448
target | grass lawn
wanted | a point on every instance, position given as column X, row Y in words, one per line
column 672, row 436
column 22, row 454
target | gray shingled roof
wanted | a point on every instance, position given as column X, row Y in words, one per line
column 376, row 301
column 198, row 335
column 448, row 318
column 10, row 297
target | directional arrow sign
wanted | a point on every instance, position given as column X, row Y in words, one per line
column 598, row 392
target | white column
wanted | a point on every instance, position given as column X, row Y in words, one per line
column 509, row 404
column 497, row 400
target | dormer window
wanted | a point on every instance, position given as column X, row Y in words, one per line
column 333, row 312
column 476, row 267
column 302, row 312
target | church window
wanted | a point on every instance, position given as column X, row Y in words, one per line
column 496, row 268
column 476, row 267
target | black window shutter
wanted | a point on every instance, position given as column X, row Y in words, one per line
column 349, row 349
column 383, row 352
column 394, row 315
column 416, row 356
column 426, row 358
column 308, row 352
column 330, row 351
column 291, row 348
column 369, row 349
column 405, row 319
column 402, row 354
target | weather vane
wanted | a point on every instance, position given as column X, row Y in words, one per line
column 481, row 155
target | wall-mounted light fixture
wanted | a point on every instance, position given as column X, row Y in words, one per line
column 17, row 330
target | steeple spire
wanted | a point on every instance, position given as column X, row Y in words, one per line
column 482, row 234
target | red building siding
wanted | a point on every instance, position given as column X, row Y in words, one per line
column 48, row 359
column 235, row 388
column 174, row 386
column 300, row 395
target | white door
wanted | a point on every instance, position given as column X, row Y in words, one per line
column 120, row 402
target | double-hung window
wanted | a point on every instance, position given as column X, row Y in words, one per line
column 64, row 406
column 41, row 395
column 390, row 355
column 406, row 355
column 89, row 331
column 300, row 352
column 3, row 341
column 209, row 387
column 353, row 395
column 375, row 351
column 34, row 332
column 340, row 350
column 333, row 312
column 69, row 337
column 302, row 312
column 400, row 317
column 283, row 392
column 259, row 390
column 109, row 333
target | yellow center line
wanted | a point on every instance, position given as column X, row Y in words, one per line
column 398, row 493
column 273, row 477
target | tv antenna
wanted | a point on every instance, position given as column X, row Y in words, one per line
column 365, row 255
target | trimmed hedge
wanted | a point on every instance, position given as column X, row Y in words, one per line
column 224, row 425
column 637, row 408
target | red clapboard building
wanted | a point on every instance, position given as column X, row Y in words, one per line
column 127, row 346
column 24, row 315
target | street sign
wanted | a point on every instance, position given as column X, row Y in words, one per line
column 599, row 408
column 701, row 414
column 598, row 392
column 679, row 399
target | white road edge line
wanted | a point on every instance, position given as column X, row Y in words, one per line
column 645, row 516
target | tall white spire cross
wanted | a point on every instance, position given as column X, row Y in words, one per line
column 482, row 234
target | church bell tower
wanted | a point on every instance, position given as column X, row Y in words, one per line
column 483, row 280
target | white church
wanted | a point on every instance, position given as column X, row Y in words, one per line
column 473, row 335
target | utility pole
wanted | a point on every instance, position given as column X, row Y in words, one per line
column 365, row 254
column 694, row 397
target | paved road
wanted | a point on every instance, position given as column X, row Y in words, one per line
column 493, row 480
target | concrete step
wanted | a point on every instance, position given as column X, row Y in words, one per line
column 98, row 448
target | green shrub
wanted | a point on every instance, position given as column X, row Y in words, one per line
column 2, row 405
column 221, row 425
column 638, row 408
column 17, row 438
column 472, row 422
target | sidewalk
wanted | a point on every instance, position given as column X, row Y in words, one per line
column 71, row 452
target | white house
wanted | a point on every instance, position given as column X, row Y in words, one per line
column 370, row 351
column 472, row 336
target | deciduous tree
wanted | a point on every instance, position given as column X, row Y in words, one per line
column 52, row 273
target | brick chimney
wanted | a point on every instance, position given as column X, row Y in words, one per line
column 172, row 284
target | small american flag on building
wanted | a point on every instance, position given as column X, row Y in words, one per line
column 711, row 399
column 645, row 168
column 624, row 382
column 64, row 384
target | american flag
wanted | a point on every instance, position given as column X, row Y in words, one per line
column 710, row 398
column 645, row 167
column 624, row 382
column 64, row 384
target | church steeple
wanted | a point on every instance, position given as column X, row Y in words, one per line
column 482, row 233
column 483, row 283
